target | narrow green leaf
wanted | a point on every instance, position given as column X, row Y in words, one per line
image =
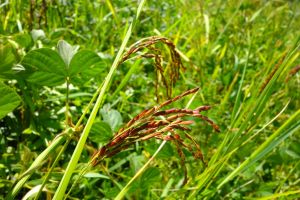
column 95, row 175
column 283, row 194
column 37, row 163
column 289, row 127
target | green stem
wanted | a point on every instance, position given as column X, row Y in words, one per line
column 67, row 104
column 52, row 167
column 59, row 194
column 56, row 143
column 141, row 170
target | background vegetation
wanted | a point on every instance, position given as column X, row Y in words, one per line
column 243, row 55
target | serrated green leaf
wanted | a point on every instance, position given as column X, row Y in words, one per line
column 9, row 100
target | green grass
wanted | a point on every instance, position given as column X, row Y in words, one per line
column 243, row 55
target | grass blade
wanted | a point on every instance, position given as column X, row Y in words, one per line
column 289, row 127
column 59, row 194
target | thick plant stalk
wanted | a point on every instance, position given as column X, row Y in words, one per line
column 59, row 194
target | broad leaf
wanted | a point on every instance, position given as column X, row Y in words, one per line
column 100, row 132
column 38, row 34
column 24, row 40
column 9, row 100
column 111, row 116
column 66, row 51
column 147, row 180
column 46, row 78
column 149, row 177
column 49, row 69
column 83, row 61
column 166, row 152
column 7, row 60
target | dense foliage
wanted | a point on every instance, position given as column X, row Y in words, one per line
column 57, row 57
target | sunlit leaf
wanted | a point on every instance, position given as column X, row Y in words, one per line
column 83, row 61
column 38, row 34
column 66, row 51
